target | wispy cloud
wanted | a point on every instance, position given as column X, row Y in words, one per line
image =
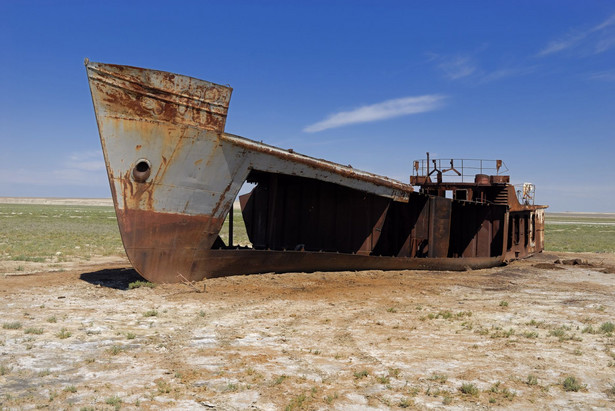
column 457, row 67
column 603, row 75
column 608, row 22
column 380, row 111
column 466, row 66
column 598, row 38
column 488, row 76
column 567, row 42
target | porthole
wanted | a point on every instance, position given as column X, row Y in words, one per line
column 142, row 171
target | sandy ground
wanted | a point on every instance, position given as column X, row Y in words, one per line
column 57, row 201
column 347, row 340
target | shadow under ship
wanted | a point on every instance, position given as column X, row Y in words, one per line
column 175, row 174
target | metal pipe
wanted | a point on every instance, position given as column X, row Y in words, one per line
column 230, row 226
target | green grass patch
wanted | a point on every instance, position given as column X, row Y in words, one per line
column 114, row 401
column 580, row 233
column 361, row 374
column 572, row 384
column 38, row 233
column 469, row 389
column 150, row 313
column 15, row 325
column 607, row 327
column 139, row 284
column 63, row 334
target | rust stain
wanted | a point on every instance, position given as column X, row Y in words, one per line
column 161, row 244
column 360, row 221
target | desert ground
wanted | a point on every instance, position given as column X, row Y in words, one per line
column 345, row 340
column 537, row 333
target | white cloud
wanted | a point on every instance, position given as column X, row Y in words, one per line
column 380, row 111
column 604, row 44
column 457, row 67
column 562, row 44
column 608, row 22
column 463, row 66
column 599, row 38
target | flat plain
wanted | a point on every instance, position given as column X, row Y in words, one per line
column 82, row 330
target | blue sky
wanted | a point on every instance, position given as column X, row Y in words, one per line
column 374, row 84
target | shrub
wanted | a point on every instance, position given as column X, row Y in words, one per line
column 607, row 327
column 64, row 333
column 361, row 374
column 572, row 384
column 139, row 284
column 150, row 313
column 469, row 389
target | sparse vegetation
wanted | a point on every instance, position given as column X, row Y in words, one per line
column 363, row 368
column 52, row 319
column 469, row 389
column 531, row 380
column 508, row 394
column 503, row 303
column 63, row 333
column 360, row 374
column 296, row 403
column 330, row 398
column 383, row 379
column 530, row 334
column 441, row 378
column 150, row 313
column 116, row 349
column 141, row 284
column 114, row 401
column 279, row 380
column 15, row 325
column 575, row 237
column 572, row 384
column 5, row 369
column 165, row 388
column 607, row 327
column 39, row 233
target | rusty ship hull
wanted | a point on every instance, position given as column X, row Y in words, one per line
column 174, row 175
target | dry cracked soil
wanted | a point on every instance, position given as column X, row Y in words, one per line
column 532, row 334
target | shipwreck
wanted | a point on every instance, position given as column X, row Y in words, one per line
column 175, row 174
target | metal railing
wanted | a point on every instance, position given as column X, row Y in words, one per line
column 458, row 169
